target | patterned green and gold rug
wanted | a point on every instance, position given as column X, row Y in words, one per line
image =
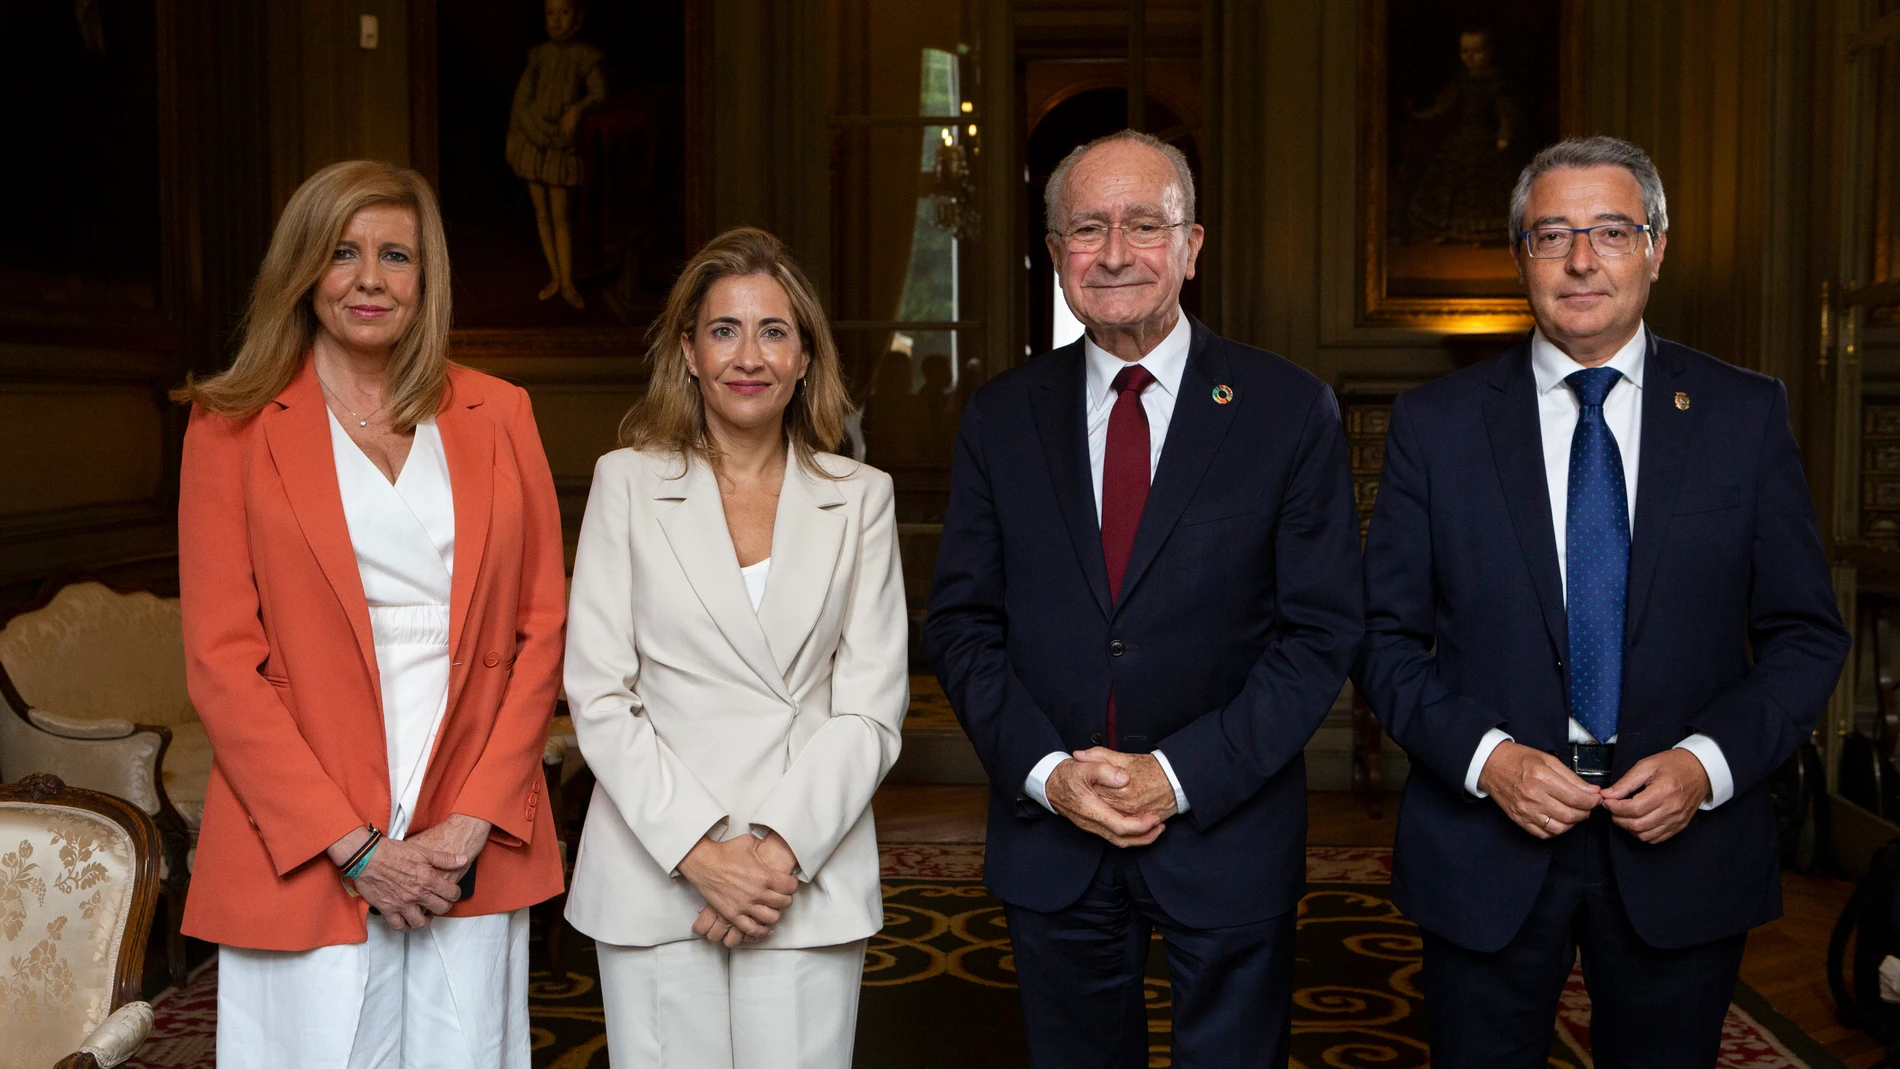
column 939, row 985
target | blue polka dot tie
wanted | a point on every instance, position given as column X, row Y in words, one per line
column 1596, row 558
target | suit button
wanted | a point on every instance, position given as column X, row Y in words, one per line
column 492, row 660
column 1116, row 648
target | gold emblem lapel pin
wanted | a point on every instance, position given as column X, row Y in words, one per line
column 1682, row 401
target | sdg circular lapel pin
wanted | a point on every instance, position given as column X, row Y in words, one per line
column 1223, row 394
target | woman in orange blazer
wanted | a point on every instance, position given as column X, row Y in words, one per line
column 370, row 562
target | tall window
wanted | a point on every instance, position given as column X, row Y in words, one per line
column 907, row 139
column 930, row 285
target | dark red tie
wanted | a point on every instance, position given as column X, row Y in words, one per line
column 1126, row 469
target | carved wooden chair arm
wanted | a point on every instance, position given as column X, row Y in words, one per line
column 116, row 1039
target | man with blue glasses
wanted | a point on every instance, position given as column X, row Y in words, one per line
column 1598, row 617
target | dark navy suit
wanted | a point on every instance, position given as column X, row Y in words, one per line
column 1731, row 631
column 1238, row 619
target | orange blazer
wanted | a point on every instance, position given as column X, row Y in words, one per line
column 282, row 668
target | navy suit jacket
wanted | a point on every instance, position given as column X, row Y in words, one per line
column 1239, row 617
column 1466, row 632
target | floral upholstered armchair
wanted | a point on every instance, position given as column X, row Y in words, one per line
column 78, row 886
column 93, row 689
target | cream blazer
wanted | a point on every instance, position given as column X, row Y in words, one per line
column 699, row 716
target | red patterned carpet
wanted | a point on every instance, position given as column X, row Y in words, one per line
column 185, row 1025
column 944, row 956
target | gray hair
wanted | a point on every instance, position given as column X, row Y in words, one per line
column 1597, row 151
column 1052, row 195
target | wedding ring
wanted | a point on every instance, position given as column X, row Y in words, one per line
column 1546, row 820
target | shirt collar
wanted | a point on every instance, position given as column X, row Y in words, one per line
column 1551, row 366
column 1167, row 361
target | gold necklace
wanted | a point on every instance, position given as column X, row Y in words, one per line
column 361, row 421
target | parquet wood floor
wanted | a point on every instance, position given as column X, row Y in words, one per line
column 1786, row 960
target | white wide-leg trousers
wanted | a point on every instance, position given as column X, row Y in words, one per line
column 695, row 1005
column 453, row 995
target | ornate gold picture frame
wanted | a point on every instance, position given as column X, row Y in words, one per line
column 1455, row 97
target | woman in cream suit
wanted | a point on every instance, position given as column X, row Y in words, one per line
column 736, row 664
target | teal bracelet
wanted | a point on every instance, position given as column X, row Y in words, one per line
column 362, row 859
column 374, row 836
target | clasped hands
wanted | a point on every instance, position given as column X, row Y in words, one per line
column 746, row 882
column 1653, row 801
column 1123, row 797
column 409, row 880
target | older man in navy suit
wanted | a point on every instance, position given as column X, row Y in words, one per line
column 1598, row 617
column 1146, row 598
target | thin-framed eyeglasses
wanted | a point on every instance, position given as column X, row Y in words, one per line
column 1141, row 235
column 1608, row 239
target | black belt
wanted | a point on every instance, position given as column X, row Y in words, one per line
column 1589, row 761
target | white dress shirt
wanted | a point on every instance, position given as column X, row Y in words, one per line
column 1557, row 411
column 1166, row 362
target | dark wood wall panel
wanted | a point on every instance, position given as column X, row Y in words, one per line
column 76, row 445
column 89, row 442
column 91, row 445
column 578, row 402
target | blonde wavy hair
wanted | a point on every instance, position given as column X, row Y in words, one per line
column 672, row 415
column 281, row 322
